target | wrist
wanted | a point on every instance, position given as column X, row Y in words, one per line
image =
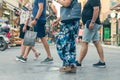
column 36, row 19
column 25, row 25
column 93, row 22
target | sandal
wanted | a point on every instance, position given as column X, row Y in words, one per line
column 65, row 69
column 36, row 57
column 73, row 69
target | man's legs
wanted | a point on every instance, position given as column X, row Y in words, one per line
column 99, row 50
column 24, row 57
column 23, row 48
column 83, row 51
column 37, row 54
column 46, row 46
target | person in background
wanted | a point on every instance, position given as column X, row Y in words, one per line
column 25, row 18
column 65, row 41
column 39, row 21
column 91, row 21
column 80, row 33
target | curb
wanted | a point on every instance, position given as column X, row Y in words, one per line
column 108, row 46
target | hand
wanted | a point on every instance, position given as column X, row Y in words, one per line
column 55, row 23
column 91, row 26
column 24, row 28
column 33, row 22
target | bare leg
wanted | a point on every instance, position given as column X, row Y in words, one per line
column 83, row 51
column 23, row 48
column 46, row 46
column 27, row 51
column 35, row 52
column 99, row 50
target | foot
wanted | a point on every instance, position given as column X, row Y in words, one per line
column 18, row 58
column 47, row 60
column 23, row 60
column 36, row 56
column 73, row 69
column 78, row 64
column 100, row 64
column 65, row 69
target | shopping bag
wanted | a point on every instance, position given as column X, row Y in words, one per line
column 30, row 38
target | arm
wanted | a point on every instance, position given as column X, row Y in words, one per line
column 40, row 5
column 95, row 16
column 65, row 3
column 95, row 13
column 27, row 20
column 53, row 8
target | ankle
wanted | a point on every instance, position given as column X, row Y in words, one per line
column 102, row 61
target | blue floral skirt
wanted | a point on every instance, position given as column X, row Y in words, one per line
column 65, row 42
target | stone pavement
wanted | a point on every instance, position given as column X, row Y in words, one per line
column 35, row 70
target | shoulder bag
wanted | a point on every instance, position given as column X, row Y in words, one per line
column 70, row 13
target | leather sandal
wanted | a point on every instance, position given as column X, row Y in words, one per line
column 36, row 57
column 65, row 69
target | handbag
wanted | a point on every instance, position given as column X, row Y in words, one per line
column 30, row 38
column 70, row 13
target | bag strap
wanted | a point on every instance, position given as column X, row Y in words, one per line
column 31, row 28
column 72, row 3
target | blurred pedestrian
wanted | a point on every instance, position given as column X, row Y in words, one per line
column 80, row 33
column 65, row 40
column 25, row 18
column 91, row 21
column 39, row 21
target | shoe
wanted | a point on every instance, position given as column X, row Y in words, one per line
column 65, row 69
column 78, row 64
column 73, row 69
column 23, row 60
column 36, row 57
column 18, row 58
column 47, row 60
column 100, row 64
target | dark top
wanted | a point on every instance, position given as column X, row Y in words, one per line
column 36, row 7
column 87, row 12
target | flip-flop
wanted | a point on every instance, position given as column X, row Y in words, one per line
column 36, row 57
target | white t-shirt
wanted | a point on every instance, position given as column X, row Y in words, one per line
column 57, row 6
column 25, row 15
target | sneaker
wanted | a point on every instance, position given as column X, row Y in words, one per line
column 78, row 64
column 100, row 64
column 23, row 60
column 18, row 58
column 48, row 60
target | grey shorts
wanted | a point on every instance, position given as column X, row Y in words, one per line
column 91, row 35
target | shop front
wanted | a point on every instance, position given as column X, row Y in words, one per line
column 115, row 17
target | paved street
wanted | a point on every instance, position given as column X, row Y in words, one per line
column 34, row 70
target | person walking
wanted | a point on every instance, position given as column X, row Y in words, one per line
column 80, row 33
column 91, row 21
column 25, row 19
column 65, row 41
column 39, row 21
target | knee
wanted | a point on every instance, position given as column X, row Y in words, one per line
column 96, row 43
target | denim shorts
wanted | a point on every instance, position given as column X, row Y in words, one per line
column 91, row 35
